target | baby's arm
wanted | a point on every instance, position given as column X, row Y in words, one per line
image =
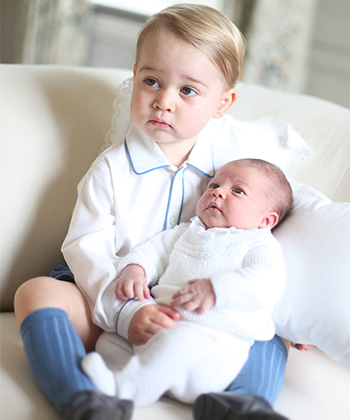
column 132, row 283
column 199, row 295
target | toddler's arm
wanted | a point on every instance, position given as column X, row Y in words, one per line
column 199, row 295
column 132, row 283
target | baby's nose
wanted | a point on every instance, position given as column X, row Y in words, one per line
column 219, row 193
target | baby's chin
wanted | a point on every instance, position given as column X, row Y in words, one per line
column 208, row 224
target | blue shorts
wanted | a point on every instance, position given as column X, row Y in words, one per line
column 62, row 272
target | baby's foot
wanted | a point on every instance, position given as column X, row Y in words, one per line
column 103, row 378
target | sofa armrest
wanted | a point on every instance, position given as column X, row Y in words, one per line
column 53, row 123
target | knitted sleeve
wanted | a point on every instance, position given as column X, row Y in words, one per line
column 245, row 298
column 260, row 278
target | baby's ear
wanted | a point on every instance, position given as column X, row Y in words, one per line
column 227, row 100
column 269, row 220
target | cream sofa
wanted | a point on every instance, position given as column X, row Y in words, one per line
column 53, row 123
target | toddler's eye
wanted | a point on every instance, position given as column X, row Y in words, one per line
column 187, row 91
column 152, row 82
column 238, row 191
column 213, row 186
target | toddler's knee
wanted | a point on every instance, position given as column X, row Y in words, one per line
column 24, row 291
column 29, row 297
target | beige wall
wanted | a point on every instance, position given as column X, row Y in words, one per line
column 329, row 63
column 9, row 16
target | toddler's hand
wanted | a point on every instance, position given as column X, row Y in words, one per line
column 132, row 283
column 149, row 320
column 199, row 295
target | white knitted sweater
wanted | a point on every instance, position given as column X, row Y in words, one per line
column 246, row 268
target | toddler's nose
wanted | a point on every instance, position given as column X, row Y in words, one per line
column 164, row 101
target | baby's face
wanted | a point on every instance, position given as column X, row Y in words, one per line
column 177, row 89
column 237, row 196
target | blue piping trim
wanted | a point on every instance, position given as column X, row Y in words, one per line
column 204, row 173
column 133, row 167
column 212, row 162
column 183, row 194
column 121, row 310
column 171, row 187
column 169, row 200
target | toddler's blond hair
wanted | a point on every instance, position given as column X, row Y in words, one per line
column 205, row 28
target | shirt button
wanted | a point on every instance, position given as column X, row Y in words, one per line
column 172, row 220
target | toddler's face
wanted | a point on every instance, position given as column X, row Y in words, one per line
column 237, row 196
column 177, row 89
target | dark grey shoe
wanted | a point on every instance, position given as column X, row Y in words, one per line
column 89, row 405
column 233, row 406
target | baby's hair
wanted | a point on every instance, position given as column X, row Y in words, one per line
column 206, row 29
column 280, row 189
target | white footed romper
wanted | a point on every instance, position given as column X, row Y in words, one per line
column 204, row 352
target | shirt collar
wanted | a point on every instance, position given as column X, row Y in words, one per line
column 214, row 146
column 201, row 156
column 146, row 156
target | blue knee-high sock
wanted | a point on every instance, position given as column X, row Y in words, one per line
column 263, row 373
column 54, row 352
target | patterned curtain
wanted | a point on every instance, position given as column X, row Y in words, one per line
column 53, row 31
column 278, row 34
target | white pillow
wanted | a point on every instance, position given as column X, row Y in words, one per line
column 121, row 118
column 271, row 139
column 315, row 306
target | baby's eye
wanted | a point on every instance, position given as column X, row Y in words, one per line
column 152, row 82
column 213, row 186
column 187, row 91
column 238, row 191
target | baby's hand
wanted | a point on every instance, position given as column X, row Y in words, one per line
column 199, row 295
column 303, row 347
column 132, row 283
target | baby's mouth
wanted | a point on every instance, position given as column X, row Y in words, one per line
column 213, row 207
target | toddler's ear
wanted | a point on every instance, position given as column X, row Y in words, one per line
column 227, row 100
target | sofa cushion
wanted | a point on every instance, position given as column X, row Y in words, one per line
column 324, row 126
column 315, row 387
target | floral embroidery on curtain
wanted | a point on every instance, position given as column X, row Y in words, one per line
column 278, row 34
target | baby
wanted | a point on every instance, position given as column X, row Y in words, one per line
column 223, row 272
